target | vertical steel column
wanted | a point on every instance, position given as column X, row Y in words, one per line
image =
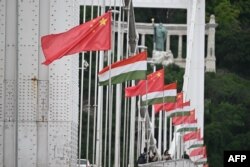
column 10, row 87
column 194, row 74
column 43, row 89
column 3, row 20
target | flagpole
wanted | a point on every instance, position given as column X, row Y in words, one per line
column 160, row 132
column 99, row 108
column 170, row 131
column 95, row 103
column 139, row 129
column 89, row 93
column 153, row 112
column 81, row 103
column 165, row 131
column 124, row 131
column 127, row 134
column 118, row 97
column 95, row 108
column 106, row 128
column 133, row 101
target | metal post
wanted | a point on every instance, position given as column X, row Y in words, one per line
column 118, row 97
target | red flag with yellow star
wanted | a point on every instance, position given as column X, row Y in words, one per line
column 154, row 82
column 91, row 36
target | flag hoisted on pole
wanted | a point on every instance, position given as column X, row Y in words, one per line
column 90, row 36
column 167, row 94
column 154, row 82
column 177, row 120
column 171, row 106
column 132, row 68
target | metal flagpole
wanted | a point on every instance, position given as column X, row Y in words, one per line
column 170, row 131
column 139, row 130
column 89, row 93
column 127, row 135
column 99, row 108
column 95, row 108
column 118, row 97
column 95, row 102
column 125, row 101
column 81, row 103
column 110, row 87
column 124, row 132
column 106, row 128
column 164, row 131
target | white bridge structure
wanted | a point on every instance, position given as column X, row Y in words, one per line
column 39, row 106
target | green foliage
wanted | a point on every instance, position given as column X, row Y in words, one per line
column 227, row 16
column 226, row 115
column 232, row 34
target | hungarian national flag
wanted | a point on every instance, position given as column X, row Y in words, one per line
column 171, row 106
column 154, row 82
column 192, row 135
column 168, row 94
column 90, row 36
column 198, row 153
column 132, row 68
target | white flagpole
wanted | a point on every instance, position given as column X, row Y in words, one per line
column 106, row 128
column 110, row 88
column 99, row 108
column 133, row 106
column 153, row 113
column 95, row 108
column 89, row 93
column 170, row 132
column 165, row 131
column 124, row 132
column 139, row 130
column 127, row 135
column 95, row 102
column 118, row 97
column 160, row 131
column 81, row 103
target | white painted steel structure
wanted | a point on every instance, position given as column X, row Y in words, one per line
column 42, row 97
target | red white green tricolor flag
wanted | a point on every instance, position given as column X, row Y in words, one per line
column 192, row 140
column 198, row 153
column 186, row 127
column 132, row 68
column 168, row 94
column 154, row 82
column 185, row 111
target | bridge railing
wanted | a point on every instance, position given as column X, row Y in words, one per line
column 170, row 163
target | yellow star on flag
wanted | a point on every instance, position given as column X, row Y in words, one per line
column 103, row 21
column 158, row 74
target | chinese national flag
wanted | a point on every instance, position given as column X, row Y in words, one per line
column 154, row 82
column 90, row 36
